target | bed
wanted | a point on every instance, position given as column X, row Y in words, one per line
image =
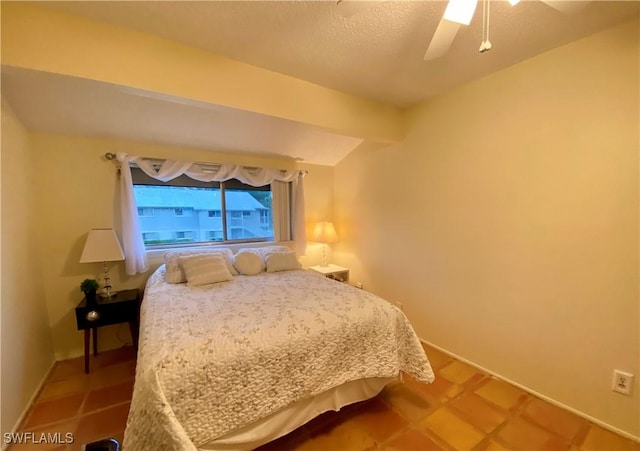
column 236, row 364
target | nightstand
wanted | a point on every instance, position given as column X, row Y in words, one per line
column 123, row 306
column 334, row 272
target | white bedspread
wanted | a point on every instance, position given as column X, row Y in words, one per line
column 216, row 358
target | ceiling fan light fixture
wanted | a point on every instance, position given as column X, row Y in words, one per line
column 460, row 11
column 514, row 2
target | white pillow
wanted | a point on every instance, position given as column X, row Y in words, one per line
column 204, row 269
column 248, row 263
column 175, row 274
column 282, row 262
column 264, row 251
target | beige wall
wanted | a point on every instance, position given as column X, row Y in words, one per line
column 507, row 222
column 319, row 207
column 76, row 191
column 27, row 351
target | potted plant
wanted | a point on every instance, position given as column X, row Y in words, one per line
column 89, row 287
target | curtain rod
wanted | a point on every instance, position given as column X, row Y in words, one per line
column 112, row 156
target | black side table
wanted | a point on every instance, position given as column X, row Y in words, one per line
column 123, row 306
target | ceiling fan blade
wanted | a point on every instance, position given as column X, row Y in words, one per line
column 460, row 11
column 442, row 39
column 566, row 6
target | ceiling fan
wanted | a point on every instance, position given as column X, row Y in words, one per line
column 457, row 13
column 460, row 12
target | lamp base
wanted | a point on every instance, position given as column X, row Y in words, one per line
column 107, row 293
column 324, row 255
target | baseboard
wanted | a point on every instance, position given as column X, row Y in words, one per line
column 30, row 403
column 74, row 353
column 538, row 395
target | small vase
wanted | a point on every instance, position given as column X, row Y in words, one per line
column 90, row 296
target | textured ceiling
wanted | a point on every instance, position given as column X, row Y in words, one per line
column 376, row 53
column 370, row 49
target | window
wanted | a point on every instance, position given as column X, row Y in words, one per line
column 149, row 236
column 240, row 233
column 215, row 235
column 265, row 217
column 184, row 236
column 142, row 211
column 182, row 211
column 189, row 211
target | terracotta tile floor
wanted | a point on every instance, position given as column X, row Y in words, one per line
column 89, row 406
column 464, row 409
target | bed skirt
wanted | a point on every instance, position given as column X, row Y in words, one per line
column 298, row 414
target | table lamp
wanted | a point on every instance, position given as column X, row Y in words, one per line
column 324, row 233
column 102, row 245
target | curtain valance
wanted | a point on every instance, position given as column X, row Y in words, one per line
column 170, row 169
column 133, row 244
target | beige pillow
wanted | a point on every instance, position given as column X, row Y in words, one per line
column 282, row 262
column 204, row 269
column 175, row 274
column 248, row 263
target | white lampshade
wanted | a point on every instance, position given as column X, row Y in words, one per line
column 102, row 245
column 324, row 232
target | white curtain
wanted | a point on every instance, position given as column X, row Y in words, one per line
column 135, row 257
column 133, row 244
column 281, row 207
column 299, row 229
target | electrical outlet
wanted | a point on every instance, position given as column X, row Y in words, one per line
column 622, row 382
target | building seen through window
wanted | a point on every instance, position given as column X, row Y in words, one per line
column 193, row 214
